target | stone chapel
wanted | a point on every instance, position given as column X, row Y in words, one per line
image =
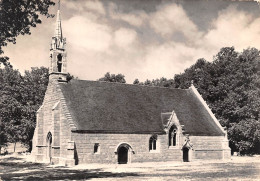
column 83, row 121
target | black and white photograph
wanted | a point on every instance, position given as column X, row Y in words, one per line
column 130, row 90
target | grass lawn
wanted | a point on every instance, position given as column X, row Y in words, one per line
column 238, row 168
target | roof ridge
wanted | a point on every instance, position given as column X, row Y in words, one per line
column 126, row 84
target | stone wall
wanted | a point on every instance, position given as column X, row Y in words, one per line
column 209, row 148
column 109, row 143
column 51, row 117
column 205, row 148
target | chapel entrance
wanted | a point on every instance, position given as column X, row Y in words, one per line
column 185, row 154
column 49, row 142
column 122, row 155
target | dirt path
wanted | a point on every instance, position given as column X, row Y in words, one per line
column 239, row 168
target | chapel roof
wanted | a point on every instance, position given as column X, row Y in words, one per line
column 97, row 106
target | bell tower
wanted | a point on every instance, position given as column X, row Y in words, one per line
column 58, row 55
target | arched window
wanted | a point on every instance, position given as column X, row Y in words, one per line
column 48, row 143
column 152, row 143
column 59, row 62
column 173, row 136
column 49, row 138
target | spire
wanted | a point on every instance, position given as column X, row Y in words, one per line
column 58, row 42
column 58, row 29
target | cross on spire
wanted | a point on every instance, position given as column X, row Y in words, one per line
column 58, row 29
column 59, row 5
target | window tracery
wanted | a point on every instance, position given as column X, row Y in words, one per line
column 173, row 136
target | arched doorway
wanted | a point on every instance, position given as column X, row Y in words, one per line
column 123, row 152
column 49, row 142
column 122, row 155
column 185, row 151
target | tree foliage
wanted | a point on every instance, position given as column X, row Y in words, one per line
column 113, row 78
column 11, row 109
column 162, row 82
column 17, row 17
column 136, row 81
column 20, row 98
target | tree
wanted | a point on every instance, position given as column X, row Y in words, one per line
column 3, row 135
column 17, row 17
column 245, row 135
column 113, row 78
column 148, row 82
column 136, row 81
column 21, row 97
column 10, row 106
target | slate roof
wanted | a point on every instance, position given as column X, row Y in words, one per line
column 123, row 108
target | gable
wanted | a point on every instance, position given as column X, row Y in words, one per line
column 123, row 108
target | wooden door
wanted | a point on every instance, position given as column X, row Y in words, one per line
column 122, row 155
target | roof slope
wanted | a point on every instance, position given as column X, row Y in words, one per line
column 123, row 108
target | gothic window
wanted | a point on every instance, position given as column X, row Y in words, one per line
column 59, row 62
column 96, row 148
column 152, row 143
column 173, row 136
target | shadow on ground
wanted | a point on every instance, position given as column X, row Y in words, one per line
column 212, row 171
column 37, row 171
column 12, row 168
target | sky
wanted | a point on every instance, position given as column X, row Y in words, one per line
column 144, row 39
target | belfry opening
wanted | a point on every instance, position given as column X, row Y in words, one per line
column 59, row 62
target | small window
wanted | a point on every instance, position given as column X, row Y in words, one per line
column 152, row 143
column 173, row 136
column 96, row 148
